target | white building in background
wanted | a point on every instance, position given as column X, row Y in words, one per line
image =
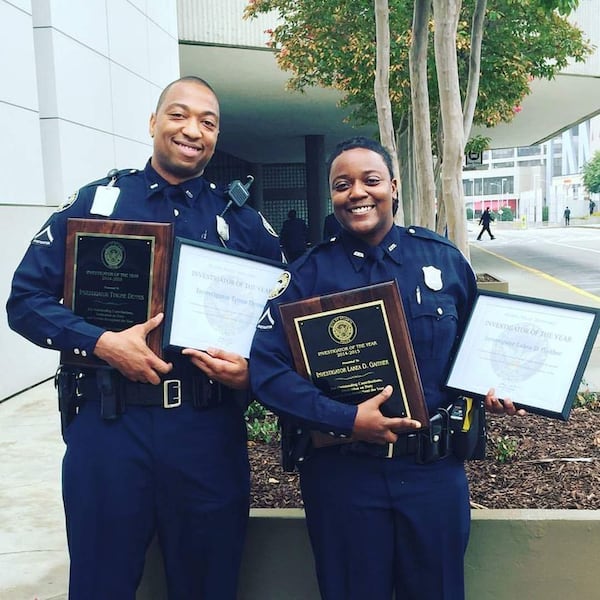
column 78, row 81
column 535, row 182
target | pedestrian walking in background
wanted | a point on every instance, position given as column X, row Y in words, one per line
column 294, row 236
column 567, row 216
column 484, row 221
column 331, row 226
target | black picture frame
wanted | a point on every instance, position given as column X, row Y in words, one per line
column 216, row 296
column 531, row 350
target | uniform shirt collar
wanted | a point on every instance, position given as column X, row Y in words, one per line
column 190, row 189
column 358, row 251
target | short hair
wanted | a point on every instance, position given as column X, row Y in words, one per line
column 191, row 78
column 361, row 142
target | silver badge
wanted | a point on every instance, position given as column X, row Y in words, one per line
column 433, row 278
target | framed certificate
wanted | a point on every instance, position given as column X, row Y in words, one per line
column 352, row 344
column 116, row 275
column 530, row 350
column 216, row 297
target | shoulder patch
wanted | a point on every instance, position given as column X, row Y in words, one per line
column 266, row 320
column 267, row 225
column 68, row 202
column 44, row 237
column 281, row 285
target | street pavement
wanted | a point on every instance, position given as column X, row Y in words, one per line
column 33, row 554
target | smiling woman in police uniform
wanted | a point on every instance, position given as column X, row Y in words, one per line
column 131, row 466
column 377, row 526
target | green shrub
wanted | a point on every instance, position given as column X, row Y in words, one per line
column 261, row 424
column 545, row 214
column 506, row 215
column 504, row 448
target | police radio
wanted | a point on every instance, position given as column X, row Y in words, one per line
column 238, row 192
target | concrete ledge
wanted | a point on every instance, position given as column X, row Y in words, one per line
column 499, row 285
column 532, row 554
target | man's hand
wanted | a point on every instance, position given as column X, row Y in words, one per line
column 506, row 407
column 370, row 425
column 128, row 352
column 225, row 367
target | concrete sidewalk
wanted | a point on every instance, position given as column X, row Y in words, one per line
column 33, row 554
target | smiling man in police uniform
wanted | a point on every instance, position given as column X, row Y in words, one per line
column 131, row 467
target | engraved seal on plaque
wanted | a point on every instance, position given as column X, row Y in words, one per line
column 113, row 255
column 342, row 329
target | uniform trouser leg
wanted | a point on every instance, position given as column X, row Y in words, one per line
column 183, row 470
column 109, row 504
column 203, row 503
column 377, row 525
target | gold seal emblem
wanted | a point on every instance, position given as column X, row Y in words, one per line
column 113, row 255
column 342, row 330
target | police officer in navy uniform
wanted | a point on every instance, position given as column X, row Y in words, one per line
column 133, row 467
column 380, row 522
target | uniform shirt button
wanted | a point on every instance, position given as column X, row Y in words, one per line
column 175, row 212
column 332, row 433
column 343, row 436
column 213, row 186
column 411, row 230
column 75, row 350
column 49, row 341
column 440, row 311
column 83, row 353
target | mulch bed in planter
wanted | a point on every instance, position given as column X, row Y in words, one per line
column 533, row 462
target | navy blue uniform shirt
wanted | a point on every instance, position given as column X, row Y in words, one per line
column 437, row 286
column 34, row 308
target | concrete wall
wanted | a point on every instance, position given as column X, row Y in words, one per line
column 79, row 81
column 525, row 554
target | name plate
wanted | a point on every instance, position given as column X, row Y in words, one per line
column 530, row 350
column 352, row 344
column 116, row 275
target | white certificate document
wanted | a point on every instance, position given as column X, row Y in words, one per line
column 531, row 351
column 216, row 297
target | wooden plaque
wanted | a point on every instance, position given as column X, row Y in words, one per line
column 116, row 275
column 352, row 344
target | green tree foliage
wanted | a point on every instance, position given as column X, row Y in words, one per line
column 332, row 44
column 591, row 174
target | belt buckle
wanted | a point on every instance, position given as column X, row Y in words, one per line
column 173, row 385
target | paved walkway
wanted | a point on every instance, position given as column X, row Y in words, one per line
column 33, row 556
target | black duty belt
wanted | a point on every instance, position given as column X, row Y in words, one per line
column 406, row 445
column 170, row 393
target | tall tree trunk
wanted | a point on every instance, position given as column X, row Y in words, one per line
column 382, row 90
column 408, row 190
column 474, row 67
column 421, row 120
column 446, row 14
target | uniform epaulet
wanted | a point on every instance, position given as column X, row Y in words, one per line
column 113, row 174
column 315, row 249
column 428, row 234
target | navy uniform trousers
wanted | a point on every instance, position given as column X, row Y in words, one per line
column 377, row 525
column 182, row 472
